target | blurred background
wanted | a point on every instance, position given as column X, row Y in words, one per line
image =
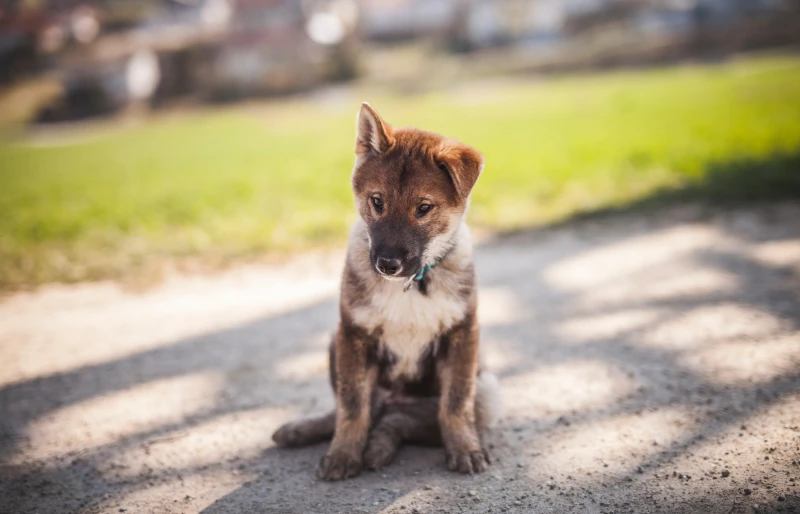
column 139, row 134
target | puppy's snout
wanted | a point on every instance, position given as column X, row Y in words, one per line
column 389, row 267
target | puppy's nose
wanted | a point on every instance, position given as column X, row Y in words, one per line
column 388, row 266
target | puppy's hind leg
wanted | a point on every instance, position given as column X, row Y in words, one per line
column 306, row 431
column 414, row 421
column 309, row 431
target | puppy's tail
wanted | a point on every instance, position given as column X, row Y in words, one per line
column 488, row 401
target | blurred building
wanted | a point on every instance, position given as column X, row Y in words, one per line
column 110, row 53
column 283, row 45
column 484, row 23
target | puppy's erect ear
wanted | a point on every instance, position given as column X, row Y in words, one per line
column 463, row 163
column 373, row 134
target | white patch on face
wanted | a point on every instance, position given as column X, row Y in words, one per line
column 442, row 243
column 411, row 321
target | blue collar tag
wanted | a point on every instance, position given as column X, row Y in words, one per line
column 419, row 276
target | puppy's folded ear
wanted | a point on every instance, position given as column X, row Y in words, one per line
column 463, row 163
column 374, row 136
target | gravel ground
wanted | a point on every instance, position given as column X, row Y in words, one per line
column 648, row 364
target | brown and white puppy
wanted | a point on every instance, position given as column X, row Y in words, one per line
column 404, row 361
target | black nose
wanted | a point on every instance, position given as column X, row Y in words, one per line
column 388, row 266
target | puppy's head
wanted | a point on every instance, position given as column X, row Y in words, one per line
column 412, row 190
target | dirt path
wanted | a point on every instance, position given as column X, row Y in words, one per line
column 647, row 366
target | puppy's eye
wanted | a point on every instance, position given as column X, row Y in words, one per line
column 423, row 209
column 377, row 201
column 442, row 166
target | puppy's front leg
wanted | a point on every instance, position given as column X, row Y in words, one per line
column 457, row 371
column 355, row 381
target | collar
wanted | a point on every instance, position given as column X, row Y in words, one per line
column 428, row 267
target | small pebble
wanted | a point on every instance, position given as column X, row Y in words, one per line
column 747, row 492
column 781, row 498
column 725, row 473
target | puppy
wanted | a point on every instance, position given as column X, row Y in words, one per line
column 404, row 362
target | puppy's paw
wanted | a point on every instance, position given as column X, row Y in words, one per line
column 338, row 466
column 380, row 452
column 468, row 462
column 290, row 435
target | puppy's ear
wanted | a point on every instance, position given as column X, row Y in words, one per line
column 463, row 163
column 374, row 136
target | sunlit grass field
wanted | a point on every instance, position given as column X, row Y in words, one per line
column 237, row 182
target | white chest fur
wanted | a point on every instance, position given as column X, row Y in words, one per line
column 409, row 321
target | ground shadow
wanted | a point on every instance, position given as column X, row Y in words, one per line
column 725, row 183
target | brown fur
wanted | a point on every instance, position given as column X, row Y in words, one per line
column 404, row 365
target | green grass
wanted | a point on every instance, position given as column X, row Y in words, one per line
column 239, row 182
